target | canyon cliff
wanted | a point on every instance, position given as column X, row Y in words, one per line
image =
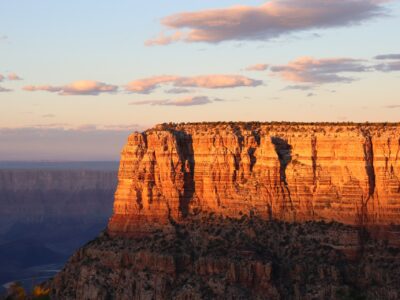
column 347, row 173
column 248, row 211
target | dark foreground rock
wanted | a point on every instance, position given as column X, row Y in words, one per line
column 211, row 257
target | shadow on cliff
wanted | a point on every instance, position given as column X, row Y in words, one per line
column 185, row 149
column 284, row 152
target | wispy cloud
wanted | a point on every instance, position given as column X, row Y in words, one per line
column 392, row 106
column 387, row 56
column 4, row 90
column 299, row 87
column 187, row 101
column 178, row 91
column 13, row 76
column 147, row 85
column 389, row 66
column 163, row 39
column 257, row 67
column 10, row 77
column 83, row 87
column 319, row 71
column 269, row 20
column 48, row 116
column 391, row 62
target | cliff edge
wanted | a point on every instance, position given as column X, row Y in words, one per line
column 347, row 173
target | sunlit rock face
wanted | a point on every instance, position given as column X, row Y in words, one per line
column 294, row 172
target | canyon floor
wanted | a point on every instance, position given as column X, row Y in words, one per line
column 215, row 257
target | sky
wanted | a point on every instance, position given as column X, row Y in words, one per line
column 77, row 76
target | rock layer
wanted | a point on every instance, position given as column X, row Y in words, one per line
column 290, row 171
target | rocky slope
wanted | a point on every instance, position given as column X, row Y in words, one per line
column 214, row 257
column 296, row 172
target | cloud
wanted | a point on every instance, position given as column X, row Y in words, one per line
column 147, row 85
column 319, row 71
column 187, row 101
column 269, row 20
column 387, row 56
column 392, row 106
column 82, row 87
column 389, row 67
column 299, row 87
column 13, row 76
column 257, row 67
column 4, row 90
column 48, row 116
column 162, row 39
column 217, row 81
column 178, row 91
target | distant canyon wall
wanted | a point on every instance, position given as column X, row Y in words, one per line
column 295, row 172
column 36, row 195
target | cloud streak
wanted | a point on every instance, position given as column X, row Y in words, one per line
column 4, row 90
column 257, row 67
column 269, row 20
column 187, row 101
column 10, row 77
column 319, row 71
column 389, row 67
column 147, row 85
column 82, row 87
column 13, row 77
column 387, row 56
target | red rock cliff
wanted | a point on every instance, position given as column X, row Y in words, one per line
column 296, row 172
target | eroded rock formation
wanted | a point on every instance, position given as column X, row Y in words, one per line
column 209, row 211
column 295, row 172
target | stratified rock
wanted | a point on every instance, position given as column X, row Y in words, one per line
column 293, row 172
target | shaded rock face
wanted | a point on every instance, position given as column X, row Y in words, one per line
column 213, row 257
column 292, row 172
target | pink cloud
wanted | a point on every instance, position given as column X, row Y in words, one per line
column 187, row 101
column 13, row 76
column 318, row 71
column 163, row 39
column 266, row 21
column 82, row 87
column 216, row 81
column 147, row 85
column 257, row 67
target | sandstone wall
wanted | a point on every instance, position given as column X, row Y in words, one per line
column 295, row 172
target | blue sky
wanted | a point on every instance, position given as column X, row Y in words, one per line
column 53, row 44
